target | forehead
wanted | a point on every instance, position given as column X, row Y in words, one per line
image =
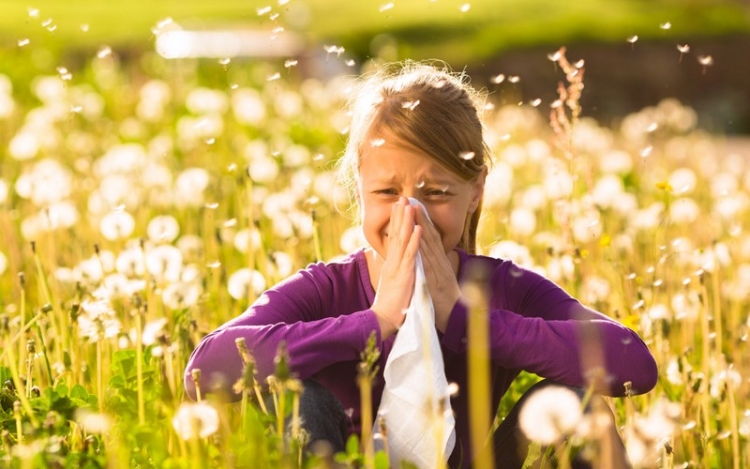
column 389, row 160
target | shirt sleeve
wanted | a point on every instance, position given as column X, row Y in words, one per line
column 534, row 325
column 298, row 311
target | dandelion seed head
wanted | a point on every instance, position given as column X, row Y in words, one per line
column 684, row 49
column 550, row 414
column 225, row 61
column 117, row 225
column 290, row 63
column 632, row 39
column 195, row 420
column 244, row 281
column 163, row 228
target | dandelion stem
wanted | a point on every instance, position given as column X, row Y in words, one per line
column 139, row 366
column 99, row 379
column 733, row 423
column 478, row 367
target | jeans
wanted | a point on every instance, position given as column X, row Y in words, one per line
column 324, row 420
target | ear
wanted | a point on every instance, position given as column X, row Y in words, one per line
column 478, row 189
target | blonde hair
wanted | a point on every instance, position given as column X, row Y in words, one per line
column 429, row 108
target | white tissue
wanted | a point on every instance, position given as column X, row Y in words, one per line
column 415, row 404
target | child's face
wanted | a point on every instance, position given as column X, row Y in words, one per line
column 392, row 170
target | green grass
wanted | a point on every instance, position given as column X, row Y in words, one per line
column 422, row 28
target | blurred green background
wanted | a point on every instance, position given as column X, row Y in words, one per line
column 486, row 37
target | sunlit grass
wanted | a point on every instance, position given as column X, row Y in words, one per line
column 466, row 31
column 143, row 207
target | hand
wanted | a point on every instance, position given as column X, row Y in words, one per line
column 397, row 273
column 441, row 278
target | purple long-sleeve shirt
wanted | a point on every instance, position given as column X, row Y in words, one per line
column 323, row 314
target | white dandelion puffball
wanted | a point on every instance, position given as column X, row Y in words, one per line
column 245, row 280
column 93, row 422
column 3, row 263
column 522, row 221
column 248, row 106
column 117, row 225
column 550, row 414
column 163, row 228
column 195, row 420
column 3, row 191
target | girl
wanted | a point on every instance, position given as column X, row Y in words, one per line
column 416, row 132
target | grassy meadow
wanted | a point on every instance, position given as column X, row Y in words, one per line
column 144, row 202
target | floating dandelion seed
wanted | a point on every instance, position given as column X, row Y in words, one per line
column 514, row 79
column 104, row 51
column 283, row 2
column 350, row 63
column 290, row 63
column 160, row 25
column 706, row 61
column 210, row 141
column 377, row 142
column 225, row 61
column 213, row 264
column 632, row 39
column 84, row 27
column 386, row 7
column 505, row 137
column 273, row 16
column 646, row 151
column 51, row 28
column 64, row 73
column 683, row 49
column 263, row 10
column 23, row 42
column 497, row 79
column 579, row 64
column 465, row 7
column 419, row 184
column 234, row 86
column 410, row 105
column 334, row 50
column 466, row 155
column 33, row 12
column 278, row 30
column 273, row 77
column 46, row 22
column 555, row 56
column 556, row 104
column 536, row 102
column 665, row 26
column 652, row 127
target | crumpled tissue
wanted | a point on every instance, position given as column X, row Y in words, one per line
column 420, row 426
